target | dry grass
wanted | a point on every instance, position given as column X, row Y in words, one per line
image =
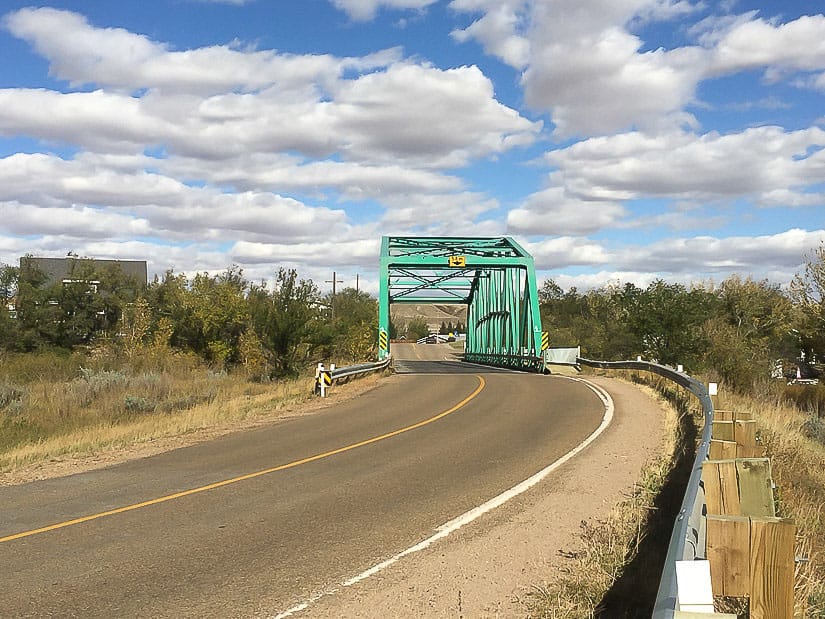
column 798, row 464
column 74, row 406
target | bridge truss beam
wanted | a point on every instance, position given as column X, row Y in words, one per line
column 493, row 276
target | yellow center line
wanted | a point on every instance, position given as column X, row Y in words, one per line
column 233, row 480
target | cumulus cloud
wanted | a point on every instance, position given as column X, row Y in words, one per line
column 566, row 251
column 594, row 182
column 581, row 61
column 219, row 103
column 163, row 207
column 234, row 130
column 756, row 162
column 551, row 211
column 81, row 53
column 706, row 254
column 365, row 10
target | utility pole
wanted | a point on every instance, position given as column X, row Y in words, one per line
column 334, row 281
column 357, row 282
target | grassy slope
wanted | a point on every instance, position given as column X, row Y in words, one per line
column 611, row 547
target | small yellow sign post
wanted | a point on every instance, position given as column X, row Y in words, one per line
column 458, row 261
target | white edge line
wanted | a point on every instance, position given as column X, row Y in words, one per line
column 469, row 516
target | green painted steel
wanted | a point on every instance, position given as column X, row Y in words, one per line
column 493, row 276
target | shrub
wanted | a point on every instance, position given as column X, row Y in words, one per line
column 9, row 395
column 814, row 429
column 137, row 404
column 807, row 398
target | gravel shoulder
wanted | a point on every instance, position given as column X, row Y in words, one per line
column 486, row 568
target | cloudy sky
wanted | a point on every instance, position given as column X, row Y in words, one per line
column 618, row 140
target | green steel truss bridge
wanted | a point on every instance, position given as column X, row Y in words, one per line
column 494, row 277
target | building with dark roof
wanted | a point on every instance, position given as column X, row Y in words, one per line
column 59, row 270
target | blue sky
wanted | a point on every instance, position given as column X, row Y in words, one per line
column 617, row 140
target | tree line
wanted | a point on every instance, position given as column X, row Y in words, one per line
column 226, row 320
column 736, row 330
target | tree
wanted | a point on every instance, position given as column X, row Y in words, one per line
column 417, row 328
column 8, row 294
column 749, row 329
column 807, row 290
column 355, row 330
column 287, row 320
column 668, row 320
column 218, row 309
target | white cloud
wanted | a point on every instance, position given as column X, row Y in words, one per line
column 437, row 214
column 738, row 254
column 552, row 212
column 798, row 45
column 78, row 222
column 113, row 57
column 757, row 162
column 582, row 63
column 427, row 116
column 365, row 10
column 566, row 251
column 163, row 207
column 219, row 103
column 500, row 29
column 346, row 253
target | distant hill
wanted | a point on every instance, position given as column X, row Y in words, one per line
column 433, row 315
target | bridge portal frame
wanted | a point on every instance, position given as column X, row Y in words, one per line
column 493, row 276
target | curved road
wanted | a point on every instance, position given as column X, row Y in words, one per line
column 253, row 523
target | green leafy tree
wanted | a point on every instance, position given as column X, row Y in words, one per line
column 354, row 332
column 288, row 321
column 748, row 331
column 417, row 328
column 8, row 295
column 219, row 312
column 37, row 311
column 668, row 320
column 807, row 291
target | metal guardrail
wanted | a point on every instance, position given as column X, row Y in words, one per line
column 526, row 363
column 687, row 537
column 349, row 371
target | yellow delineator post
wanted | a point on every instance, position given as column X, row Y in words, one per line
column 323, row 379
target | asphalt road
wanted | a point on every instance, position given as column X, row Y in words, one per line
column 252, row 523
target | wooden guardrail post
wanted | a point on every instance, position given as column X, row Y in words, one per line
column 751, row 552
column 772, row 568
column 729, row 555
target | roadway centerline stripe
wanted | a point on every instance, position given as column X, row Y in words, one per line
column 233, row 480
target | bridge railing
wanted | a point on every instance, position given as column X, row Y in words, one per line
column 687, row 538
column 526, row 363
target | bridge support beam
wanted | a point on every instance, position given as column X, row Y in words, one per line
column 493, row 276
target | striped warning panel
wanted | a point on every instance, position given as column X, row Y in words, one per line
column 545, row 340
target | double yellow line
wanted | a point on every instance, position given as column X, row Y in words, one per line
column 234, row 480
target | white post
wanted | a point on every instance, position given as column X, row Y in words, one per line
column 321, row 380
